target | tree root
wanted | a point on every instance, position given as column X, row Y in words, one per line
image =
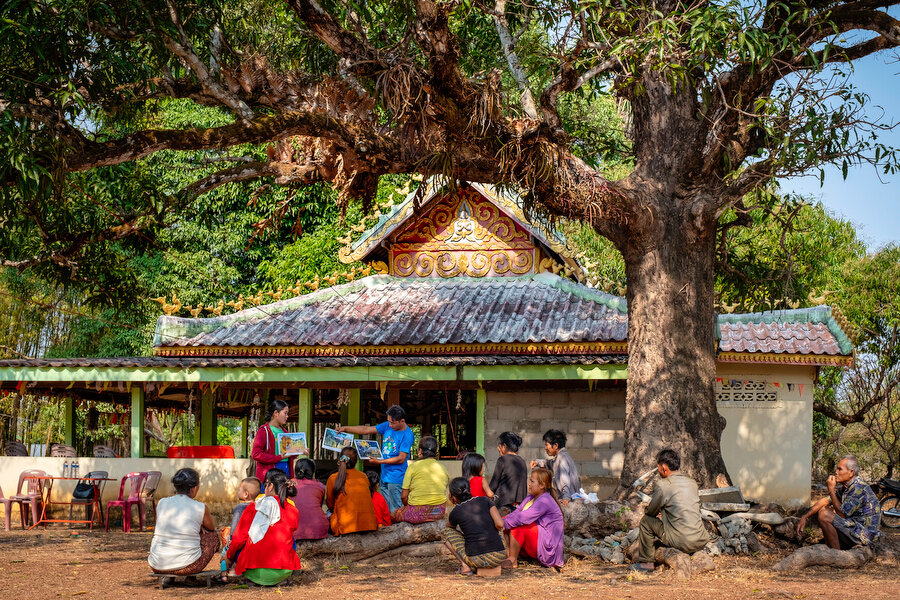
column 820, row 554
column 685, row 565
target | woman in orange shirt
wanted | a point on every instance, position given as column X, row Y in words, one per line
column 347, row 496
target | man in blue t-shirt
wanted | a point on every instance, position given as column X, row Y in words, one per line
column 396, row 442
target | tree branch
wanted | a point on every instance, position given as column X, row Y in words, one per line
column 184, row 49
column 260, row 130
column 285, row 173
column 432, row 31
column 498, row 14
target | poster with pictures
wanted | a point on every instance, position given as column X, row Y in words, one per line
column 293, row 444
column 336, row 441
column 368, row 449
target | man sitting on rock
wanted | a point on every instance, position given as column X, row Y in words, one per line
column 850, row 516
column 676, row 500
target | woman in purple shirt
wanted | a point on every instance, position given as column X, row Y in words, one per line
column 536, row 526
column 313, row 524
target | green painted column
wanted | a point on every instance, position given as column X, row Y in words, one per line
column 69, row 420
column 351, row 414
column 480, row 401
column 305, row 417
column 245, row 425
column 137, row 421
column 208, row 420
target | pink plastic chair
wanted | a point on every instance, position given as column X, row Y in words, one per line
column 33, row 495
column 136, row 483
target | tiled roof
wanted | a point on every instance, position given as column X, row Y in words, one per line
column 799, row 331
column 390, row 311
column 384, row 311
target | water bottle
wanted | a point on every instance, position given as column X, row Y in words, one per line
column 75, row 468
column 65, row 468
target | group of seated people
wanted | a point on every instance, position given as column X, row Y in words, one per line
column 491, row 524
column 260, row 543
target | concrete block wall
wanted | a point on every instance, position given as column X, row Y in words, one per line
column 593, row 423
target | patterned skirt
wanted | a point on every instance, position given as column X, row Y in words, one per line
column 488, row 560
column 424, row 513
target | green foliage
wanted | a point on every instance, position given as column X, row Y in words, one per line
column 788, row 250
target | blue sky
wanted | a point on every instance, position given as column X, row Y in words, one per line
column 867, row 198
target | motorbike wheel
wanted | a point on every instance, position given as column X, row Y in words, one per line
column 890, row 504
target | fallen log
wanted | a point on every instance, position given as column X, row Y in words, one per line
column 820, row 554
column 357, row 546
column 428, row 550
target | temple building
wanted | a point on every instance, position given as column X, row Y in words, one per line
column 476, row 321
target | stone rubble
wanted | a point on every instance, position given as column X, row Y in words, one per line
column 735, row 537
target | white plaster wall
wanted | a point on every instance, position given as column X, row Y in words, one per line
column 768, row 452
column 219, row 478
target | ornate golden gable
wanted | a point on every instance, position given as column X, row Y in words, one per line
column 463, row 234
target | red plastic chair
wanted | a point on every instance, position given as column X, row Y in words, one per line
column 32, row 496
column 136, row 483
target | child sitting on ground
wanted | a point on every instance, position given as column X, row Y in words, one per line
column 382, row 512
column 248, row 490
column 473, row 471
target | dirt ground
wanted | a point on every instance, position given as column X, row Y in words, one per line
column 59, row 562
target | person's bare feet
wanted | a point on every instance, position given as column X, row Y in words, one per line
column 509, row 564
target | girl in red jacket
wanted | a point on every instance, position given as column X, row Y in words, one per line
column 265, row 534
column 265, row 448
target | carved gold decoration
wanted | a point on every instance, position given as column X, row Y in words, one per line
column 237, row 306
column 785, row 359
column 217, row 311
column 566, row 348
column 380, row 267
column 463, row 235
column 541, row 348
column 483, row 202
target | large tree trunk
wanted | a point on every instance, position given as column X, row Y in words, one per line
column 671, row 342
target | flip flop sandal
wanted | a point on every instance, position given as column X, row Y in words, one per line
column 460, row 571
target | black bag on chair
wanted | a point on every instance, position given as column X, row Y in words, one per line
column 83, row 491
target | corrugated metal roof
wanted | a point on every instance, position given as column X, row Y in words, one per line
column 384, row 310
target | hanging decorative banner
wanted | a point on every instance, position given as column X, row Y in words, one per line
column 382, row 386
column 801, row 389
column 718, row 380
column 790, row 386
column 776, row 384
column 19, row 386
